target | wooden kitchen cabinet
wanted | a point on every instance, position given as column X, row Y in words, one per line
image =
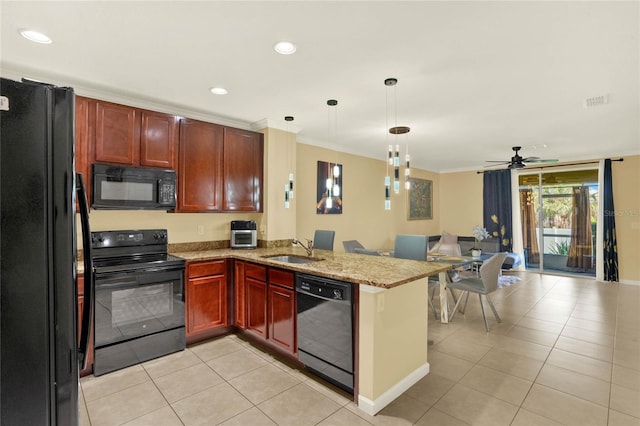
column 200, row 166
column 269, row 304
column 206, row 296
column 158, row 139
column 243, row 156
column 282, row 309
column 219, row 168
column 89, row 368
column 256, row 299
column 239, row 298
column 134, row 136
column 117, row 137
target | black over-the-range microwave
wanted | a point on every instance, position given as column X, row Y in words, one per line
column 125, row 187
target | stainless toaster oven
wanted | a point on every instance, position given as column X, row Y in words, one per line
column 244, row 234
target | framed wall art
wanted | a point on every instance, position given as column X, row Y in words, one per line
column 329, row 188
column 420, row 199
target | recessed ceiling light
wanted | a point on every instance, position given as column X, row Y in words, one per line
column 35, row 36
column 284, row 47
column 218, row 90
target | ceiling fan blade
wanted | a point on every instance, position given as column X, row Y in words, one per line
column 517, row 162
column 539, row 160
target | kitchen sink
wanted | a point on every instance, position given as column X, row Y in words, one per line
column 291, row 258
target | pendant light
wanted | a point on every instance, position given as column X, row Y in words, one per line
column 333, row 175
column 288, row 188
column 393, row 156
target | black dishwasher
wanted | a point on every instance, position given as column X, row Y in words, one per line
column 325, row 328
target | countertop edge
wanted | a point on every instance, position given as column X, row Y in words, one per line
column 376, row 271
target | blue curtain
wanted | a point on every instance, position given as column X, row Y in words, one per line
column 610, row 249
column 497, row 207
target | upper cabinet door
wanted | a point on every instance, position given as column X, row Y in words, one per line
column 200, row 166
column 158, row 139
column 117, row 134
column 243, row 153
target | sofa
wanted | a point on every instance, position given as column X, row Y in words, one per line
column 453, row 245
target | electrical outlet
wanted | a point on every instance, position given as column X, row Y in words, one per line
column 200, row 229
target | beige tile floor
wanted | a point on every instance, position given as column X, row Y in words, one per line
column 566, row 353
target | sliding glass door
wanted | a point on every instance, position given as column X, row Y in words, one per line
column 558, row 212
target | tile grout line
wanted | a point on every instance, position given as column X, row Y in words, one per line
column 533, row 382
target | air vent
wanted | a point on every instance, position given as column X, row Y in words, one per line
column 595, row 101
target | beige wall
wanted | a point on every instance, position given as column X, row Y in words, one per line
column 626, row 200
column 460, row 202
column 182, row 227
column 393, row 336
column 364, row 217
column 457, row 204
column 278, row 222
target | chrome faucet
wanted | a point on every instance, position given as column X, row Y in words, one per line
column 308, row 248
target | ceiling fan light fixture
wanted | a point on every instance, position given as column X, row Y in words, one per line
column 519, row 162
column 285, row 47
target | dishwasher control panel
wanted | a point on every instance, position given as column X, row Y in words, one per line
column 323, row 287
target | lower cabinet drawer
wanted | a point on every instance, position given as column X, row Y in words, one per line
column 202, row 269
column 257, row 272
column 281, row 277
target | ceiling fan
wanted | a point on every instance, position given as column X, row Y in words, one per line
column 517, row 162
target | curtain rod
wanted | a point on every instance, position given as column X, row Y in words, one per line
column 552, row 165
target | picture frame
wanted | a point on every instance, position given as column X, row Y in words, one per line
column 329, row 188
column 420, row 199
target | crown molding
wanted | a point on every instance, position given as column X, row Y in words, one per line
column 97, row 91
column 271, row 123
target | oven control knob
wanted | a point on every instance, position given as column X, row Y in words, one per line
column 337, row 294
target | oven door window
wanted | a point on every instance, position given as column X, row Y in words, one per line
column 243, row 238
column 130, row 305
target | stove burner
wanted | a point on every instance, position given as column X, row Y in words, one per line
column 132, row 250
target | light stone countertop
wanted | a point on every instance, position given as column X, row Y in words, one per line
column 377, row 271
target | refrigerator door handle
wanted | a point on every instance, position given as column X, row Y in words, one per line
column 89, row 298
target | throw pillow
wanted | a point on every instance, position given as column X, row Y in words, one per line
column 449, row 238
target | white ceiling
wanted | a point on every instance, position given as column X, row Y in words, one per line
column 474, row 78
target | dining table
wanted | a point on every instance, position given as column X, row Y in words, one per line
column 456, row 262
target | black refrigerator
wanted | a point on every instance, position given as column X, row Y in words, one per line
column 40, row 352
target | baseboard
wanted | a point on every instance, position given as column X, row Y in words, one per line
column 373, row 407
column 630, row 282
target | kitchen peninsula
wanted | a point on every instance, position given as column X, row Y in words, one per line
column 390, row 315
